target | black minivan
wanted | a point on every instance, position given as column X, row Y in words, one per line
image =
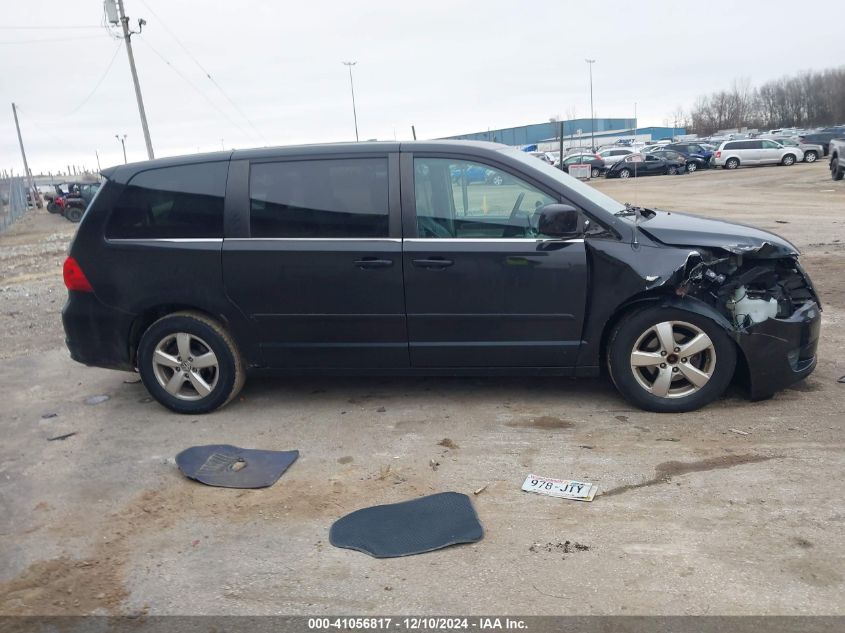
column 388, row 258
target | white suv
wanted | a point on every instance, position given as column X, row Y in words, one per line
column 732, row 154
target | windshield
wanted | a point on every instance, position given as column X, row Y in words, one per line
column 573, row 184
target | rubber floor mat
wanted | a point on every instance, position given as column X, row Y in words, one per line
column 411, row 527
column 233, row 467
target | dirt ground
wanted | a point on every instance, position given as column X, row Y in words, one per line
column 691, row 518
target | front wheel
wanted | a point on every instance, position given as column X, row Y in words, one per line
column 788, row 160
column 595, row 173
column 669, row 360
column 836, row 172
column 190, row 363
column 691, row 167
column 625, row 173
column 673, row 171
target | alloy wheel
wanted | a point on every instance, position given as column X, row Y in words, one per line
column 185, row 366
column 810, row 157
column 691, row 167
column 673, row 359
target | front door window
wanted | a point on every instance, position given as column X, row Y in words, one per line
column 462, row 199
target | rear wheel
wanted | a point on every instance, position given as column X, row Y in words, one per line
column 788, row 160
column 190, row 363
column 74, row 214
column 670, row 360
column 732, row 163
column 624, row 173
column 810, row 157
column 595, row 173
column 673, row 171
column 691, row 167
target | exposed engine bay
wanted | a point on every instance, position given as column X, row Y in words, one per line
column 744, row 289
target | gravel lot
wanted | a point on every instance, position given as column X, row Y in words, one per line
column 699, row 519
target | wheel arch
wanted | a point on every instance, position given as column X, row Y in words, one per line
column 690, row 304
column 152, row 314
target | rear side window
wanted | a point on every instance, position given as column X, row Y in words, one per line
column 171, row 202
column 319, row 198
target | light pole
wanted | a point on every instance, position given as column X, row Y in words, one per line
column 590, row 63
column 122, row 140
column 349, row 65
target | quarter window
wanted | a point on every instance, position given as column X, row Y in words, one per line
column 171, row 202
column 458, row 199
column 319, row 198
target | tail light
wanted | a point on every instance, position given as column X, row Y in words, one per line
column 75, row 279
column 718, row 154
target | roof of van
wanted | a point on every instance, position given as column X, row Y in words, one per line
column 122, row 173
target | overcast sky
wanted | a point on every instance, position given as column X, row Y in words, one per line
column 447, row 67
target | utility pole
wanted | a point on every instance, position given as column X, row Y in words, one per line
column 590, row 63
column 122, row 140
column 127, row 37
column 349, row 65
column 35, row 197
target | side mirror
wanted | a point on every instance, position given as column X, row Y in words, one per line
column 559, row 220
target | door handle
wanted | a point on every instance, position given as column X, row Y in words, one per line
column 373, row 262
column 434, row 262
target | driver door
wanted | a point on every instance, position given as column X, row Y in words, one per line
column 482, row 289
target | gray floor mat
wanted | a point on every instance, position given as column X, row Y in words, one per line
column 233, row 467
column 411, row 527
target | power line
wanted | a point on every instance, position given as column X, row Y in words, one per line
column 44, row 28
column 97, row 85
column 202, row 68
column 52, row 39
column 191, row 84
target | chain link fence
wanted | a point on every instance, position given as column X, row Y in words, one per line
column 12, row 201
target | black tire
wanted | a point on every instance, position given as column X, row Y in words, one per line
column 719, row 360
column 836, row 172
column 811, row 156
column 692, row 166
column 228, row 374
column 788, row 160
column 673, row 171
column 52, row 207
column 625, row 173
column 732, row 163
column 595, row 172
column 74, row 214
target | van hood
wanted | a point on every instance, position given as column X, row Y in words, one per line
column 680, row 229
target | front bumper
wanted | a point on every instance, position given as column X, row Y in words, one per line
column 780, row 352
column 96, row 334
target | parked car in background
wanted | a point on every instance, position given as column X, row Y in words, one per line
column 698, row 157
column 823, row 137
column 597, row 165
column 653, row 164
column 746, row 152
column 837, row 157
column 476, row 173
column 612, row 155
column 812, row 151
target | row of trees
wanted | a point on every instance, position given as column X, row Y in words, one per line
column 809, row 99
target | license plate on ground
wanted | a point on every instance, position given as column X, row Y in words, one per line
column 562, row 488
